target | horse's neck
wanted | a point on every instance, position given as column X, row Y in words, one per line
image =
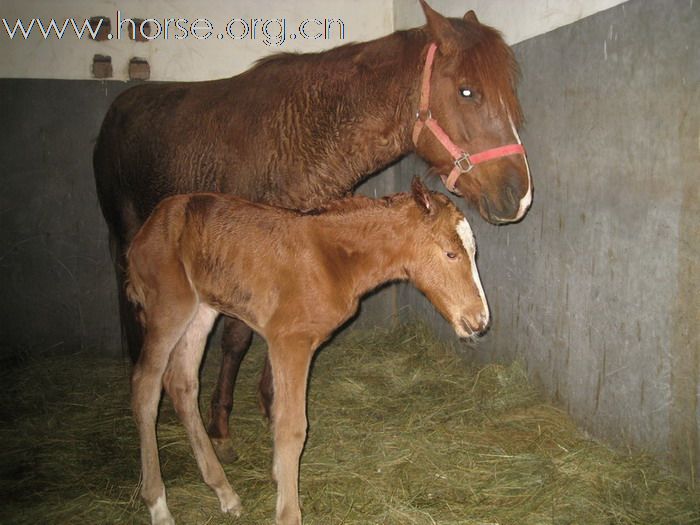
column 374, row 246
column 386, row 105
column 367, row 126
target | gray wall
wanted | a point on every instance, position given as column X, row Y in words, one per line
column 598, row 289
column 55, row 273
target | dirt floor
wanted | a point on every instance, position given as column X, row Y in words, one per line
column 402, row 431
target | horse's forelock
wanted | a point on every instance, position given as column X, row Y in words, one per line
column 486, row 55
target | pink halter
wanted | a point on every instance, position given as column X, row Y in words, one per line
column 463, row 161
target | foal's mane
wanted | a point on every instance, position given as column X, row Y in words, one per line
column 355, row 203
column 358, row 203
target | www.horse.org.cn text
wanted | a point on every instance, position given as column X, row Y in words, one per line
column 271, row 31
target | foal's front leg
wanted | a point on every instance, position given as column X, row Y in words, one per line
column 290, row 368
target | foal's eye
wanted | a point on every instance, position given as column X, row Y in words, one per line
column 451, row 255
column 466, row 92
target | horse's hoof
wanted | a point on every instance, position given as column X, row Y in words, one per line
column 224, row 450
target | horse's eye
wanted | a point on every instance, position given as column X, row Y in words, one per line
column 466, row 92
column 451, row 255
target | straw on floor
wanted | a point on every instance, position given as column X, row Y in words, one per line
column 402, row 431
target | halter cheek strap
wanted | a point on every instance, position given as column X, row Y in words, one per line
column 463, row 161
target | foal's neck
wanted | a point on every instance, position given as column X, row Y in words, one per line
column 374, row 244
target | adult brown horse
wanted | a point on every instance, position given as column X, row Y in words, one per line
column 299, row 130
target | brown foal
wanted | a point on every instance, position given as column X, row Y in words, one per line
column 293, row 278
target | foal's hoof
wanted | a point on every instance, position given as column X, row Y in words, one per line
column 232, row 505
column 224, row 450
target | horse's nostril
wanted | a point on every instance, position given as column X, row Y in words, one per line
column 512, row 199
column 485, row 207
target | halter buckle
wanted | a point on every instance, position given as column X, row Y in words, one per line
column 464, row 163
column 428, row 115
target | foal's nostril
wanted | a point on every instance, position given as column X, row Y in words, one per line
column 466, row 326
column 483, row 322
column 475, row 325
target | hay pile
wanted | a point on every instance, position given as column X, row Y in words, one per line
column 401, row 432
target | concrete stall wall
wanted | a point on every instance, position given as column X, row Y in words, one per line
column 598, row 289
column 56, row 277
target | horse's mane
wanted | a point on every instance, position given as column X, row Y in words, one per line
column 370, row 53
column 284, row 58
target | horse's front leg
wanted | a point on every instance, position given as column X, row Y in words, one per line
column 290, row 367
column 265, row 390
column 234, row 344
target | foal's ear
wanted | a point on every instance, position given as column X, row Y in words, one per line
column 422, row 196
column 470, row 16
column 441, row 30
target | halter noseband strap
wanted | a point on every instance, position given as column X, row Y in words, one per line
column 463, row 161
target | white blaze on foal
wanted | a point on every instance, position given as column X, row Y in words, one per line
column 464, row 230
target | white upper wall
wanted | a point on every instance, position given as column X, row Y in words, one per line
column 518, row 20
column 181, row 59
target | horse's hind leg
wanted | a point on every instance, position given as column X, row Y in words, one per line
column 167, row 322
column 234, row 344
column 265, row 389
column 181, row 382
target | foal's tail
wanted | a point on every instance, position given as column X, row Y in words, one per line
column 134, row 288
column 151, row 246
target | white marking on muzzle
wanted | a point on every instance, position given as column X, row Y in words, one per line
column 464, row 230
column 527, row 199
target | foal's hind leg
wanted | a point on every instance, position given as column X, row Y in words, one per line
column 234, row 344
column 181, row 382
column 166, row 326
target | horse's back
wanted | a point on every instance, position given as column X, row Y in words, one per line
column 154, row 142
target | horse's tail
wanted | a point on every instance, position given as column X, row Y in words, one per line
column 122, row 223
column 130, row 316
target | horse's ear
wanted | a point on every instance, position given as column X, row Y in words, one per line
column 470, row 16
column 422, row 196
column 441, row 30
